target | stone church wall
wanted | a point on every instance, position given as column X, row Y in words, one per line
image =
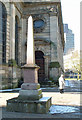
column 10, row 77
column 48, row 40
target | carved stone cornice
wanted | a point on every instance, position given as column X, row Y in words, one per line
column 41, row 9
column 42, row 40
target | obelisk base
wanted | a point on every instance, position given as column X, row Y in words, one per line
column 30, row 73
column 30, row 98
column 30, row 91
column 29, row 106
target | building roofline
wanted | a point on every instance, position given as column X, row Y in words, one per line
column 30, row 1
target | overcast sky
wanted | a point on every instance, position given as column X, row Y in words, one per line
column 71, row 16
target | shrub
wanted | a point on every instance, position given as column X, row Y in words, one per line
column 55, row 80
column 12, row 62
column 54, row 65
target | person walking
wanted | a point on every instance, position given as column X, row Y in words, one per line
column 61, row 83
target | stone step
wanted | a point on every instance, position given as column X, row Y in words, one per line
column 28, row 106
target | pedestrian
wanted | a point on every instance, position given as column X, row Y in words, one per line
column 61, row 83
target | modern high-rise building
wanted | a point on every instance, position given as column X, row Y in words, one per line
column 69, row 39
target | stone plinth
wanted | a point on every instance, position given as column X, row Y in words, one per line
column 30, row 73
column 33, row 86
column 30, row 98
column 30, row 91
column 38, row 106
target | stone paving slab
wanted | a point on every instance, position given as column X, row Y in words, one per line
column 68, row 99
column 73, row 98
column 30, row 115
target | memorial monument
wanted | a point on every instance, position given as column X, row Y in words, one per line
column 30, row 96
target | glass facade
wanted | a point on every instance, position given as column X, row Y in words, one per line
column 69, row 39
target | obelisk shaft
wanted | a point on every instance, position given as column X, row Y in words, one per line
column 30, row 69
column 30, row 43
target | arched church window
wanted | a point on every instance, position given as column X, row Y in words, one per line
column 16, row 39
column 3, row 20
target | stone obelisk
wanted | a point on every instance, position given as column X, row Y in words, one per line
column 30, row 96
column 30, row 88
column 30, row 43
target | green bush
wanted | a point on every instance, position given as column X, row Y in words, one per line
column 54, row 65
column 12, row 62
column 55, row 80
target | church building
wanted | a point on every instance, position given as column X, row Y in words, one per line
column 48, row 36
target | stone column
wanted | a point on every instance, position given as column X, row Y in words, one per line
column 19, row 44
column 53, row 35
column 12, row 31
column 46, row 66
column 8, row 25
column 54, row 41
column 8, row 38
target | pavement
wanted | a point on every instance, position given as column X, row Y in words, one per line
column 62, row 105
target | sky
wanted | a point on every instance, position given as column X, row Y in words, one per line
column 71, row 16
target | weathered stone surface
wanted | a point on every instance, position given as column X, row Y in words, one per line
column 30, row 94
column 51, row 32
column 29, row 86
column 38, row 106
column 30, row 73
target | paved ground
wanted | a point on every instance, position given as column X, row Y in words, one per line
column 69, row 98
column 71, row 86
column 66, row 99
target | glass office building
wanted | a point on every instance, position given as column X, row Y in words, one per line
column 69, row 39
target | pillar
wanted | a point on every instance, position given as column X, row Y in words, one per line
column 12, row 31
column 8, row 38
column 19, row 43
column 53, row 36
column 47, row 66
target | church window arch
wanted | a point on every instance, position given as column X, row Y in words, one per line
column 3, row 21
